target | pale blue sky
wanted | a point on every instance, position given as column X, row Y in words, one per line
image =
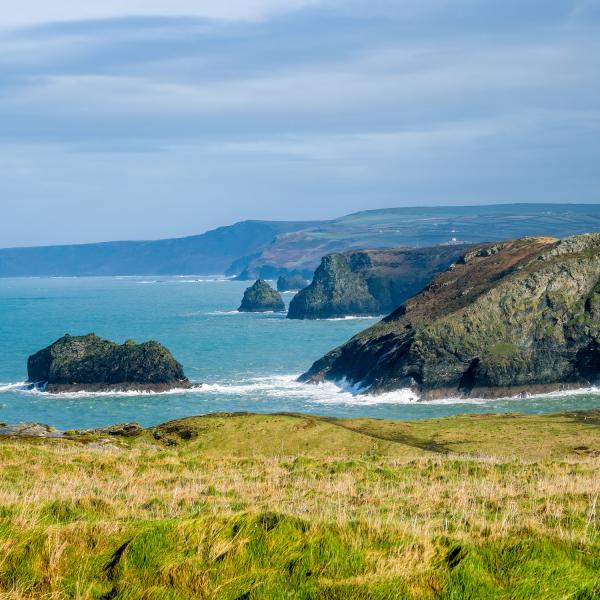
column 128, row 119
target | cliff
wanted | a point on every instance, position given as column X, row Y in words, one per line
column 261, row 297
column 90, row 363
column 370, row 282
column 512, row 317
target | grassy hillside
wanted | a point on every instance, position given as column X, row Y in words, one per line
column 292, row 506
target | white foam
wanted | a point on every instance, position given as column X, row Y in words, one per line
column 353, row 318
column 344, row 393
column 217, row 313
column 287, row 387
column 27, row 388
column 10, row 387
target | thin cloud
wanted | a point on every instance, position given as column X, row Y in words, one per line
column 19, row 13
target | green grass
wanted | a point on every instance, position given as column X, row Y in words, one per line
column 299, row 507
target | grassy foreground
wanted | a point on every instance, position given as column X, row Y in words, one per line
column 243, row 507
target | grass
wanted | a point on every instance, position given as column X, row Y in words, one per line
column 291, row 506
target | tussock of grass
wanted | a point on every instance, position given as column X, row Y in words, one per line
column 241, row 509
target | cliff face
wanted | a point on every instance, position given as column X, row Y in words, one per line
column 370, row 282
column 91, row 363
column 261, row 297
column 511, row 317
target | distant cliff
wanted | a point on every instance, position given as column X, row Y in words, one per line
column 511, row 317
column 370, row 282
column 208, row 253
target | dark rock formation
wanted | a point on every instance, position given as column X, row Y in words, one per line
column 89, row 363
column 509, row 318
column 261, row 297
column 287, row 283
column 370, row 282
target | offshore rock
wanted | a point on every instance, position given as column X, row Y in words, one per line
column 90, row 363
column 287, row 283
column 509, row 318
column 370, row 282
column 261, row 297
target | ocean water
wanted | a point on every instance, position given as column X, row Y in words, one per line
column 245, row 362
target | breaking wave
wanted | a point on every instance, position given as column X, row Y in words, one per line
column 278, row 388
column 27, row 388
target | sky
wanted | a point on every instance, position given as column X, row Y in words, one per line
column 144, row 119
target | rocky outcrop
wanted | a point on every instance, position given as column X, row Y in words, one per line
column 37, row 430
column 289, row 283
column 508, row 318
column 261, row 297
column 90, row 363
column 370, row 282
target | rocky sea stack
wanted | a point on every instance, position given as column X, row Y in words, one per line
column 370, row 282
column 293, row 282
column 261, row 297
column 515, row 317
column 90, row 363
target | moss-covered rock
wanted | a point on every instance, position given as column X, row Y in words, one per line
column 261, row 297
column 519, row 316
column 370, row 282
column 91, row 363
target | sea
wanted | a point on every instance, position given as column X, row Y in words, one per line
column 238, row 362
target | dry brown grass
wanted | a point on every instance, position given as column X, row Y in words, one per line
column 65, row 507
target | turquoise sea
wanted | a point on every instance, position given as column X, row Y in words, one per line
column 244, row 362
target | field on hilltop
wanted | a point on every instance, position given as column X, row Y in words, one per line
column 293, row 506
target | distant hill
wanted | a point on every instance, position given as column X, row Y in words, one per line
column 253, row 249
column 208, row 253
column 302, row 250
